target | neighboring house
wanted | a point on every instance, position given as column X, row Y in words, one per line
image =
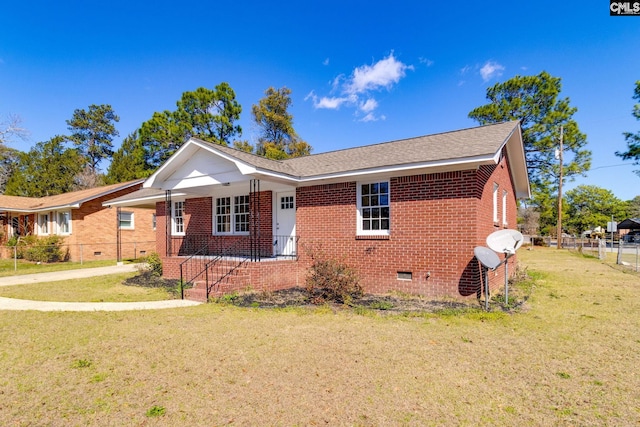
column 90, row 230
column 629, row 230
column 406, row 215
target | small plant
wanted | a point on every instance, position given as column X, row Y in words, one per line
column 81, row 363
column 229, row 299
column 155, row 263
column 156, row 411
column 563, row 375
column 382, row 305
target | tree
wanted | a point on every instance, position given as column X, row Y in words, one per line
column 207, row 114
column 128, row 163
column 92, row 132
column 46, row 170
column 634, row 207
column 633, row 139
column 9, row 157
column 589, row 206
column 278, row 139
column 534, row 101
column 211, row 113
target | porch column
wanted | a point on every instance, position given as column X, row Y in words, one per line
column 118, row 235
column 167, row 225
column 254, row 224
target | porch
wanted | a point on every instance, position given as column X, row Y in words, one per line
column 210, row 266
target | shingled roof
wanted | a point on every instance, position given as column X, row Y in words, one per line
column 472, row 143
column 447, row 151
column 60, row 201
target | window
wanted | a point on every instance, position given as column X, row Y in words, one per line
column 228, row 223
column 64, row 222
column 15, row 226
column 126, row 221
column 241, row 214
column 373, row 208
column 153, row 220
column 504, row 207
column 43, row 224
column 177, row 218
column 495, row 202
column 286, row 202
column 223, row 215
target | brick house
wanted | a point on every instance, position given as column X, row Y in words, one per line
column 405, row 214
column 90, row 230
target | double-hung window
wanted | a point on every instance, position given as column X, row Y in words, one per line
column 126, row 220
column 231, row 215
column 495, row 202
column 43, row 224
column 373, row 208
column 177, row 218
column 504, row 207
column 64, row 222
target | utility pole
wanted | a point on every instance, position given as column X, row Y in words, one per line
column 559, row 156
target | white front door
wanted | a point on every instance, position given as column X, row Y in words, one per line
column 284, row 239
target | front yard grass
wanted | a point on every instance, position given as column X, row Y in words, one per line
column 108, row 288
column 570, row 358
column 8, row 266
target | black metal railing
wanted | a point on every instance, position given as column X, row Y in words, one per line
column 214, row 258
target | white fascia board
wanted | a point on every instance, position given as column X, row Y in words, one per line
column 43, row 209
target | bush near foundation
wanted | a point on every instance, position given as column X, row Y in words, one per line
column 331, row 280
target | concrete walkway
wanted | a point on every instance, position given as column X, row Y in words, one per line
column 19, row 304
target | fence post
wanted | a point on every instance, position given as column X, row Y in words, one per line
column 15, row 258
column 81, row 254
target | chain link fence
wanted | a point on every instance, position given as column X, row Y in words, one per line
column 81, row 252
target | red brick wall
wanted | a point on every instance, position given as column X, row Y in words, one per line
column 436, row 221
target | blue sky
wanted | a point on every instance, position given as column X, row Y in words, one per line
column 361, row 72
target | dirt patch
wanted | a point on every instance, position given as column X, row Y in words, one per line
column 391, row 303
column 149, row 279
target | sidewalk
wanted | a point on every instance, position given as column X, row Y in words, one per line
column 19, row 304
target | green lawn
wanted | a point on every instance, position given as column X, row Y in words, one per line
column 108, row 288
column 569, row 358
column 8, row 266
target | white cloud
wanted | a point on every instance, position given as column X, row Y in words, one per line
column 490, row 70
column 357, row 90
column 425, row 61
column 369, row 105
column 325, row 62
column 381, row 75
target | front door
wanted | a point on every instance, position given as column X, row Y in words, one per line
column 284, row 239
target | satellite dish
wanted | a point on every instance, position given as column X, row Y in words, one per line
column 505, row 241
column 487, row 257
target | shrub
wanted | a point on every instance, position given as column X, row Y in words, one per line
column 155, row 263
column 40, row 249
column 331, row 280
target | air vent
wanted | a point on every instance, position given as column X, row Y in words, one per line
column 405, row 275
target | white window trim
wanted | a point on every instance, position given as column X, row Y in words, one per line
column 359, row 230
column 69, row 223
column 41, row 222
column 504, row 207
column 173, row 218
column 232, row 225
column 495, row 202
column 130, row 227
